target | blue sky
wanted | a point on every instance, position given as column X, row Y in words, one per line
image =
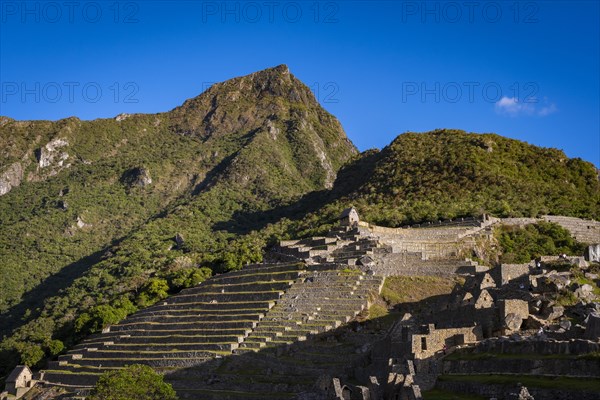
column 527, row 70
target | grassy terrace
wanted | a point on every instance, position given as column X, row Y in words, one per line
column 184, row 323
column 212, row 312
column 208, row 304
column 265, row 282
column 240, row 394
column 126, row 332
column 174, row 336
column 438, row 394
column 214, row 352
column 530, row 381
column 463, row 355
column 225, row 293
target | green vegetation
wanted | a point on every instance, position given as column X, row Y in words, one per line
column 530, row 381
column 450, row 173
column 523, row 244
column 136, row 382
column 81, row 247
column 377, row 311
column 439, row 394
column 233, row 171
column 468, row 354
column 411, row 289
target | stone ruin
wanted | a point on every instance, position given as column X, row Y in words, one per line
column 272, row 317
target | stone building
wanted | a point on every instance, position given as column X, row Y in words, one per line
column 19, row 381
column 428, row 340
column 349, row 217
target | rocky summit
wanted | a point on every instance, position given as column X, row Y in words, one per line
column 241, row 247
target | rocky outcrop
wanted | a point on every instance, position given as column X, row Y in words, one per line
column 11, row 178
column 53, row 156
column 137, row 177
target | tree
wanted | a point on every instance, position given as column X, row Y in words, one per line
column 135, row 382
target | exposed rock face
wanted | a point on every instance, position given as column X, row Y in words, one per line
column 52, row 155
column 139, row 176
column 122, row 117
column 11, row 178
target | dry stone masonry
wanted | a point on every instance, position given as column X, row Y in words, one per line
column 288, row 326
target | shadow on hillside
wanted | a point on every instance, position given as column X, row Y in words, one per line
column 351, row 352
column 34, row 299
column 244, row 222
column 349, row 180
column 283, row 371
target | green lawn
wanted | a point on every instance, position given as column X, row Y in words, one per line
column 439, row 394
column 530, row 381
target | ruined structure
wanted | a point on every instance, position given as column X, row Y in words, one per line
column 19, row 382
column 288, row 326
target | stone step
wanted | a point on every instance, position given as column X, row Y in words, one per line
column 270, row 267
column 210, row 306
column 178, row 338
column 178, row 326
column 226, row 297
column 65, row 367
column 254, row 344
column 169, row 332
column 82, row 380
column 193, row 318
column 256, row 276
column 161, row 347
column 197, row 311
column 135, row 355
column 183, row 361
column 260, row 286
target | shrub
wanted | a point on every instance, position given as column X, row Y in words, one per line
column 135, row 382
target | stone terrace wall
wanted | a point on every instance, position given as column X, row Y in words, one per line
column 435, row 241
column 585, row 231
column 539, row 347
column 411, row 264
column 504, row 392
column 582, row 367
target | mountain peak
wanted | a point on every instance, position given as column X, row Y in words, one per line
column 270, row 94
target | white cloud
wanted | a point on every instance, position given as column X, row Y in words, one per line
column 547, row 110
column 512, row 107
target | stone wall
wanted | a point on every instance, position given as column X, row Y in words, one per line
column 508, row 272
column 513, row 306
column 537, row 347
column 411, row 264
column 510, row 392
column 428, row 344
column 574, row 367
column 585, row 231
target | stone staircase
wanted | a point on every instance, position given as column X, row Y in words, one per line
column 322, row 299
column 342, row 245
column 263, row 307
column 199, row 324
